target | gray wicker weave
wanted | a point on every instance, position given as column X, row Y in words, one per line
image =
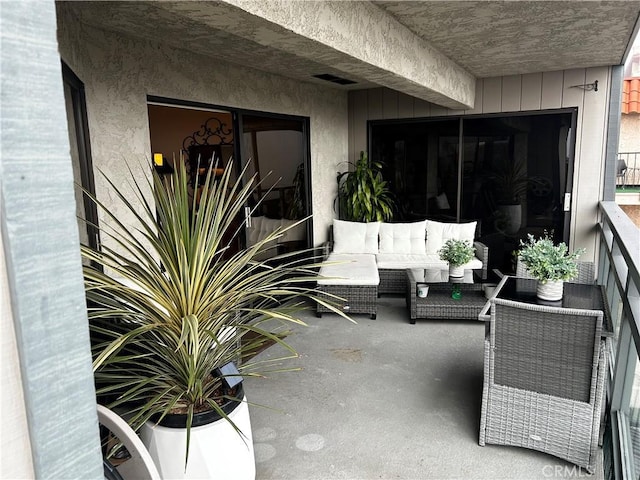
column 392, row 281
column 544, row 380
column 438, row 304
column 356, row 299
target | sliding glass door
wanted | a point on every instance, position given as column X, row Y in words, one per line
column 508, row 172
column 275, row 147
column 420, row 162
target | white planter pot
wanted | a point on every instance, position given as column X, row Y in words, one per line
column 216, row 450
column 456, row 272
column 551, row 290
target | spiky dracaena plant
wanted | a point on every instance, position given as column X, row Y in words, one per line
column 363, row 195
column 170, row 302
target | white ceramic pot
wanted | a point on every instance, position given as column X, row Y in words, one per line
column 551, row 290
column 216, row 450
column 456, row 272
column 489, row 288
column 422, row 290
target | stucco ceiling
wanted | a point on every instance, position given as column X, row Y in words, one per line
column 494, row 38
column 486, row 38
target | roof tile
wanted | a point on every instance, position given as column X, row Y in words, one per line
column 630, row 95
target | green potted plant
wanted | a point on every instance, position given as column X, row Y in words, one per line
column 176, row 318
column 510, row 181
column 457, row 253
column 363, row 195
column 550, row 264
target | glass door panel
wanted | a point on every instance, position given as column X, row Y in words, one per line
column 420, row 162
column 514, row 179
column 276, row 148
column 511, row 174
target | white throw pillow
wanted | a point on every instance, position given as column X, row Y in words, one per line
column 438, row 233
column 402, row 237
column 355, row 237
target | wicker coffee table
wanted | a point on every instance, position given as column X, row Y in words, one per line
column 438, row 304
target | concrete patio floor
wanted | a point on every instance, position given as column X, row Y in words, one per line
column 384, row 399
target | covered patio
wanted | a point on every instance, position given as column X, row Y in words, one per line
column 380, row 399
column 384, row 399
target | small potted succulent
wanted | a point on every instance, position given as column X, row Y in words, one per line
column 457, row 253
column 550, row 264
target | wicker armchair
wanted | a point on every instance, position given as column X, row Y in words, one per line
column 544, row 371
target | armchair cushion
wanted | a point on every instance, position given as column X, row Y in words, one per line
column 407, row 238
column 355, row 237
column 438, row 233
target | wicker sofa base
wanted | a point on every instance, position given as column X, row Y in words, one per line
column 392, row 282
column 357, row 299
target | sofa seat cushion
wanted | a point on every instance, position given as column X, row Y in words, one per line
column 398, row 261
column 349, row 269
column 437, row 276
column 391, row 261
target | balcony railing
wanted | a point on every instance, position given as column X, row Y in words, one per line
column 619, row 271
column 628, row 170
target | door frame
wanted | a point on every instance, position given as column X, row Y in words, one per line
column 237, row 115
column 570, row 167
column 81, row 125
column 306, row 157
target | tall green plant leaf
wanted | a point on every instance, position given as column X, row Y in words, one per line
column 363, row 195
column 169, row 301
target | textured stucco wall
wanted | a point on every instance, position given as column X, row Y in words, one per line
column 362, row 39
column 630, row 133
column 119, row 72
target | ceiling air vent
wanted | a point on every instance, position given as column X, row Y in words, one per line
column 333, row 79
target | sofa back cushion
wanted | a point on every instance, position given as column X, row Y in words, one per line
column 438, row 233
column 260, row 228
column 402, row 237
column 355, row 237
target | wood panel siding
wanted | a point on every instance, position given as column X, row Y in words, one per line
column 519, row 93
column 511, row 92
column 588, row 179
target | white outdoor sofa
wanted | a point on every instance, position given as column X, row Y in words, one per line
column 365, row 260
